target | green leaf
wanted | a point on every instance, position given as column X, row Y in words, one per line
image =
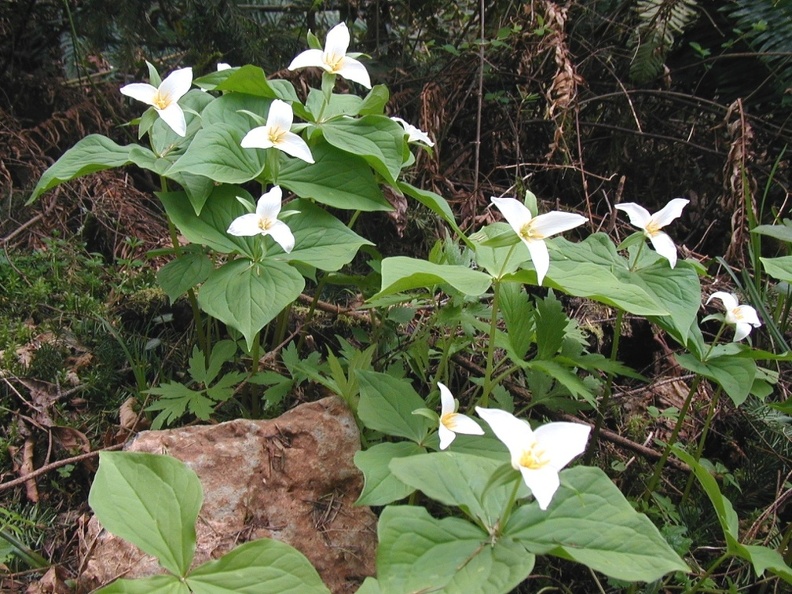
column 369, row 586
column 258, row 566
column 386, row 405
column 175, row 400
column 156, row 584
column 91, row 154
column 321, row 240
column 764, row 558
column 250, row 80
column 551, row 323
column 247, row 295
column 374, row 103
column 228, row 110
column 197, row 187
column 590, row 521
column 678, row 289
column 150, row 500
column 733, row 373
column 434, row 202
column 418, row 553
column 182, row 274
column 216, row 153
column 403, row 274
column 380, row 485
column 459, row 480
column 378, row 139
column 209, row 228
column 519, row 316
column 780, row 232
column 336, row 179
column 779, row 268
column 346, row 104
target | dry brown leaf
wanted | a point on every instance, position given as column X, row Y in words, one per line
column 71, row 439
column 51, row 582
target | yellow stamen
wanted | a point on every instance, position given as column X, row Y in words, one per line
column 276, row 135
column 652, row 229
column 449, row 420
column 534, row 457
column 161, row 101
column 334, row 62
column 265, row 224
column 528, row 233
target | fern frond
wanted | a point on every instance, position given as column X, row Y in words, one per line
column 659, row 22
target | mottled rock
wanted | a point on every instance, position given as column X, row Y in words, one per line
column 291, row 479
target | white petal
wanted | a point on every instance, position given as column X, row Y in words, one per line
column 514, row 211
column 669, row 212
column 543, row 482
column 540, row 258
column 747, row 315
column 174, row 117
column 552, row 223
column 639, row 216
column 464, row 424
column 515, row 434
column 413, row 134
column 446, row 436
column 446, row 399
column 311, row 58
column 337, row 41
column 141, row 91
column 177, row 83
column 729, row 301
column 354, row 70
column 223, row 66
column 257, row 138
column 281, row 233
column 562, row 441
column 246, row 225
column 741, row 330
column 293, row 145
column 269, row 205
column 280, row 115
column 664, row 246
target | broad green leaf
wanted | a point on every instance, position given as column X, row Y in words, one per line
column 156, row 584
column 150, row 500
column 458, row 480
column 551, row 324
column 209, row 228
column 321, row 240
column 590, row 521
column 197, row 187
column 340, row 104
column 247, row 295
column 734, row 374
column 386, row 405
column 165, row 142
column 500, row 261
column 216, row 153
column 764, row 558
column 403, row 274
column 182, row 274
column 337, row 179
column 418, row 553
column 374, row 103
column 380, row 485
column 91, row 154
column 227, row 110
column 779, row 268
column 677, row 289
column 253, row 81
column 519, row 316
column 369, row 586
column 780, row 232
column 434, row 202
column 262, row 565
column 378, row 139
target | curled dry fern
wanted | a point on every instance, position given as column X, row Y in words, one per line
column 659, row 22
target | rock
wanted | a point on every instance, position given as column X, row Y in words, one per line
column 291, row 479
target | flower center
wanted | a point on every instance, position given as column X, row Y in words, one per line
column 528, row 233
column 265, row 224
column 652, row 228
column 161, row 100
column 449, row 420
column 534, row 457
column 276, row 134
column 737, row 314
column 333, row 61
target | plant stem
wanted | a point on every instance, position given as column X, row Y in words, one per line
column 708, row 573
column 652, row 485
column 606, row 397
column 488, row 384
column 700, row 447
column 255, row 402
column 510, row 503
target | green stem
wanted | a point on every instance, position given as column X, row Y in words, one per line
column 281, row 327
column 488, row 384
column 510, row 504
column 652, row 485
column 708, row 573
column 634, row 263
column 700, row 447
column 606, row 398
column 255, row 402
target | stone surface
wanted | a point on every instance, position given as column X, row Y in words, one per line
column 290, row 479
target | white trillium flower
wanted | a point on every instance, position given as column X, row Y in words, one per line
column 742, row 316
column 333, row 58
column 452, row 422
column 223, row 66
column 276, row 133
column 165, row 98
column 651, row 225
column 265, row 221
column 538, row 455
column 534, row 230
column 414, row 134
